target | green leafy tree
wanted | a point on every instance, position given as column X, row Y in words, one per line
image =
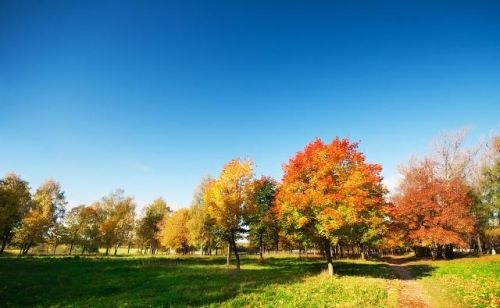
column 15, row 201
column 148, row 227
column 74, row 224
column 490, row 198
column 261, row 220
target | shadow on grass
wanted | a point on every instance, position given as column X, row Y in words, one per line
column 374, row 270
column 421, row 270
column 99, row 281
column 190, row 281
column 417, row 270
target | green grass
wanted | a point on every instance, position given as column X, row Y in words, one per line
column 467, row 282
column 192, row 281
column 283, row 281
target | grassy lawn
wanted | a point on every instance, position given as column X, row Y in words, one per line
column 467, row 282
column 192, row 281
column 282, row 281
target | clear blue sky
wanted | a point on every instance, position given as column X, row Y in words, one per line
column 149, row 96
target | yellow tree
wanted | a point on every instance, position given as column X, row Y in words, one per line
column 117, row 219
column 227, row 201
column 174, row 232
column 44, row 217
column 200, row 224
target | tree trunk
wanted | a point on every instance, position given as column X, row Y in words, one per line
column 433, row 252
column 448, row 251
column 71, row 247
column 4, row 243
column 440, row 252
column 55, row 247
column 362, row 251
column 27, row 247
column 107, row 250
column 328, row 255
column 261, row 257
column 479, row 245
column 235, row 250
column 228, row 253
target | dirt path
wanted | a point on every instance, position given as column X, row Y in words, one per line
column 411, row 294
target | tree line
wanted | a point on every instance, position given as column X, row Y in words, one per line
column 330, row 200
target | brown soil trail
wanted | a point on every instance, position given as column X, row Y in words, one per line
column 411, row 294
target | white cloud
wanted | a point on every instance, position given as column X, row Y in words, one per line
column 392, row 182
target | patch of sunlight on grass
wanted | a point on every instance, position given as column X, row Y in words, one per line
column 472, row 282
column 323, row 291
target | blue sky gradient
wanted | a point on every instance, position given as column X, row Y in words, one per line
column 149, row 96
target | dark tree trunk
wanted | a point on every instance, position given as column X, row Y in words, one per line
column 439, row 252
column 71, row 247
column 261, row 257
column 107, row 250
column 4, row 243
column 27, row 248
column 235, row 250
column 328, row 255
column 448, row 251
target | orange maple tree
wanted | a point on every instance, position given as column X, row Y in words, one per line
column 433, row 211
column 328, row 192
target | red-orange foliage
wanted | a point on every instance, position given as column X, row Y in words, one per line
column 432, row 210
column 329, row 190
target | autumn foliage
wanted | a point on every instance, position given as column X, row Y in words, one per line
column 330, row 200
column 330, row 192
column 432, row 211
column 227, row 201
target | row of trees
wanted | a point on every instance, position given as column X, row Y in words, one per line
column 329, row 198
column 448, row 199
